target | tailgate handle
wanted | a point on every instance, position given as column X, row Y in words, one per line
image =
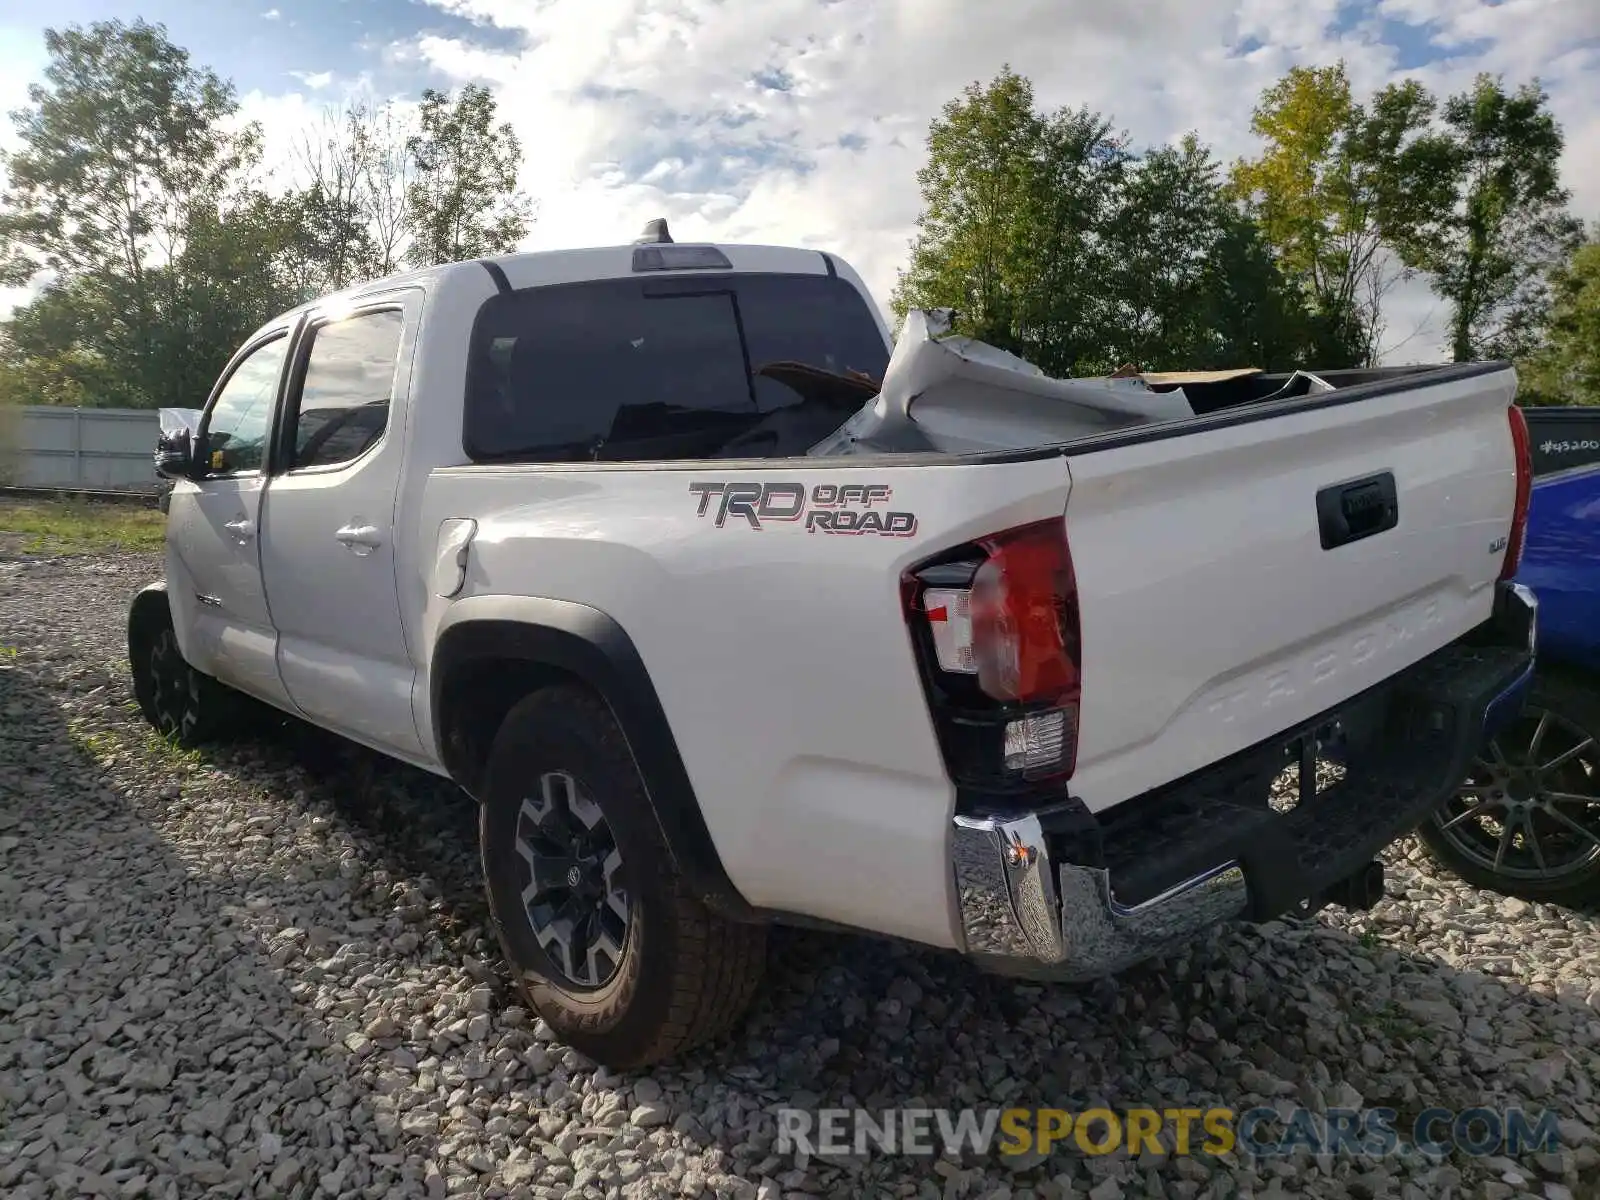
column 1348, row 512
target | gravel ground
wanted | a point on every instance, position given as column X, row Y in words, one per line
column 265, row 971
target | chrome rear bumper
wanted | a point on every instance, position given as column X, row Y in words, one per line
column 1065, row 921
column 1199, row 853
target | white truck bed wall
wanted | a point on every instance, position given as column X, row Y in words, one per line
column 956, row 395
column 779, row 650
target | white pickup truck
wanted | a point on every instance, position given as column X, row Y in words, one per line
column 725, row 618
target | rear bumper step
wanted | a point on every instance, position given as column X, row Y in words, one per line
column 1057, row 892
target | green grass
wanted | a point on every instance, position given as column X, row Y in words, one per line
column 105, row 744
column 79, row 527
column 1391, row 1020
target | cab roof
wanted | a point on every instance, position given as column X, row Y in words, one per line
column 539, row 268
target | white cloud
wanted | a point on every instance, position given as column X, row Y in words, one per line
column 285, row 120
column 271, row 14
column 630, row 109
column 802, row 121
column 22, row 62
column 288, row 119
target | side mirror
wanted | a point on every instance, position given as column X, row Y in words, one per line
column 175, row 447
column 174, row 457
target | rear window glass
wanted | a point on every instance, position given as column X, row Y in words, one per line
column 661, row 369
column 1563, row 438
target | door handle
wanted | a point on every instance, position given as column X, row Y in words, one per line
column 362, row 539
column 242, row 528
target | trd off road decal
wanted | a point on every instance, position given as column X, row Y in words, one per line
column 851, row 508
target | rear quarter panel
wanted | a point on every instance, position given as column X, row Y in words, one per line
column 781, row 656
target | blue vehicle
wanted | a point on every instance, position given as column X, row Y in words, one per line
column 1527, row 821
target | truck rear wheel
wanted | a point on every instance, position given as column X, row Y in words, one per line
column 1527, row 820
column 183, row 705
column 613, row 952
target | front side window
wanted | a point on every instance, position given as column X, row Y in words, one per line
column 657, row 370
column 349, row 382
column 236, row 428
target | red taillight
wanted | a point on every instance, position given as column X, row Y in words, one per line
column 1025, row 616
column 1002, row 615
column 1523, row 449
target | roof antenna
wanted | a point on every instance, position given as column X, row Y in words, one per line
column 655, row 231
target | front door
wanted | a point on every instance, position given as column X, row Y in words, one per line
column 328, row 537
column 213, row 530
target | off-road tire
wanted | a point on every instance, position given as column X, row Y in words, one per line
column 187, row 707
column 1576, row 700
column 685, row 975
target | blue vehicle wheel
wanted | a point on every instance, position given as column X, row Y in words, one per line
column 1527, row 820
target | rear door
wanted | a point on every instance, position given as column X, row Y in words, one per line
column 328, row 547
column 214, row 568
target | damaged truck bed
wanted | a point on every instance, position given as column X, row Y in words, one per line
column 945, row 393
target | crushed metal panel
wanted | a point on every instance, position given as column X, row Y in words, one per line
column 949, row 393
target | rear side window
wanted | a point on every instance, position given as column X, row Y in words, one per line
column 658, row 369
column 344, row 399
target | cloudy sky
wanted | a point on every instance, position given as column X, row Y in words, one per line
column 802, row 121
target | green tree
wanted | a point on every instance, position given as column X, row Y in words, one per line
column 1070, row 233
column 1193, row 284
column 1339, row 192
column 1053, row 241
column 1254, row 315
column 238, row 266
column 330, row 203
column 382, row 139
column 1165, row 231
column 122, row 147
column 134, row 197
column 49, row 351
column 1565, row 369
column 242, row 264
column 1015, row 209
column 463, row 197
column 1490, row 253
column 353, row 171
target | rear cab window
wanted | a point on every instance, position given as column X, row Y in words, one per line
column 1563, row 438
column 662, row 369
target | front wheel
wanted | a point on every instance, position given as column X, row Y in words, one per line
column 612, row 950
column 1527, row 820
column 183, row 705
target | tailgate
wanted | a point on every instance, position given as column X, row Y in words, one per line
column 1219, row 608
